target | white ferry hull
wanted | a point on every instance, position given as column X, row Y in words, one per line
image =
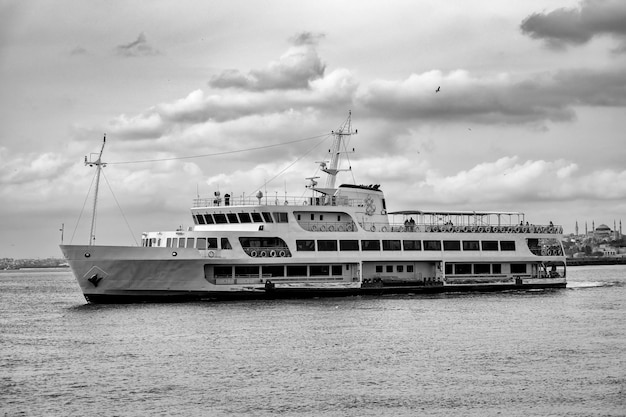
column 123, row 274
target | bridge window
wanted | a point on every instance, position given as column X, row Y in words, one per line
column 199, row 219
column 208, row 219
column 432, row 245
column 220, row 218
column 327, row 245
column 256, row 217
column 305, row 245
column 348, row 245
column 508, row 245
column 451, row 245
column 245, row 218
column 232, row 218
column 412, row 244
column 267, row 217
column 391, row 245
column 489, row 244
column 471, row 245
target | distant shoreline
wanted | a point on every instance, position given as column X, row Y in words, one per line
column 595, row 261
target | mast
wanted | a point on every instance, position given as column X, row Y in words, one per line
column 99, row 165
column 333, row 168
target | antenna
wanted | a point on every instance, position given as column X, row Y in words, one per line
column 99, row 165
column 333, row 169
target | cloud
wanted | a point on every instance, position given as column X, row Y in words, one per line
column 509, row 179
column 79, row 50
column 28, row 168
column 493, row 99
column 139, row 47
column 295, row 69
column 577, row 26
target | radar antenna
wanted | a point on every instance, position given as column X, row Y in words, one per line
column 99, row 165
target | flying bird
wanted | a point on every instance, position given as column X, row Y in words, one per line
column 437, row 90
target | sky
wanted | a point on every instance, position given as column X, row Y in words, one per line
column 240, row 96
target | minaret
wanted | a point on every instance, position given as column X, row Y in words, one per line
column 614, row 230
column 586, row 231
column 576, row 227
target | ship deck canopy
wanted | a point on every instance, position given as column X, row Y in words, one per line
column 461, row 217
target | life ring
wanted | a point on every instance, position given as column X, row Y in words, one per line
column 253, row 254
column 340, row 229
column 331, row 228
column 349, row 228
column 273, row 253
column 211, row 254
column 466, row 229
column 517, row 229
column 550, row 229
column 384, row 229
column 481, row 229
column 524, row 229
column 435, row 229
column 428, row 228
column 263, row 254
column 322, row 228
column 313, row 228
column 373, row 228
column 282, row 253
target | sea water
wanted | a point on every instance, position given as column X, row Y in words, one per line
column 518, row 353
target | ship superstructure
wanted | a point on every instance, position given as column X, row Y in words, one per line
column 340, row 240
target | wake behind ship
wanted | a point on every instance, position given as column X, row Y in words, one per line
column 340, row 241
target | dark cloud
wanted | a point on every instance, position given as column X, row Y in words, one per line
column 294, row 70
column 576, row 26
column 139, row 47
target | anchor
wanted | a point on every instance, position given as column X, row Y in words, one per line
column 95, row 279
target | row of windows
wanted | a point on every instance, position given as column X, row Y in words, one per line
column 244, row 217
column 458, row 269
column 277, row 270
column 407, row 245
column 480, row 269
column 202, row 243
column 389, row 268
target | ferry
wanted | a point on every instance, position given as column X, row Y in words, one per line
column 338, row 241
